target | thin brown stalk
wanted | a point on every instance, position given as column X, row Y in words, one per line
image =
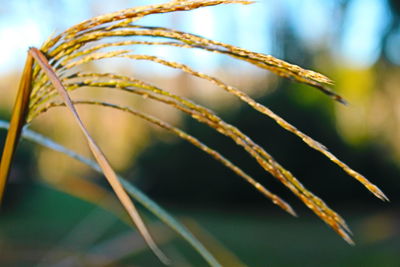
column 17, row 122
column 100, row 157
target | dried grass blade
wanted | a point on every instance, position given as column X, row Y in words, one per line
column 100, row 157
column 18, row 117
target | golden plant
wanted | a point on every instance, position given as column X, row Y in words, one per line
column 53, row 70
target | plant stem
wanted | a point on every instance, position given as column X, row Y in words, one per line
column 101, row 159
column 17, row 122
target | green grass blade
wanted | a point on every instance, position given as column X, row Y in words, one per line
column 133, row 191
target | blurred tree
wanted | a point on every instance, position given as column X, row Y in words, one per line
column 391, row 37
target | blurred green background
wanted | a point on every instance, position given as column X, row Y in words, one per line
column 50, row 218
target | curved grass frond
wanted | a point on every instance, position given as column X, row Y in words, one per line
column 56, row 71
column 187, row 40
column 245, row 98
column 209, row 118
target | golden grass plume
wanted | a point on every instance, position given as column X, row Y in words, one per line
column 56, row 71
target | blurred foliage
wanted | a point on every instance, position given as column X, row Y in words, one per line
column 388, row 42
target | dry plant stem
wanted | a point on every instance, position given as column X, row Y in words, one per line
column 100, row 157
column 17, row 122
